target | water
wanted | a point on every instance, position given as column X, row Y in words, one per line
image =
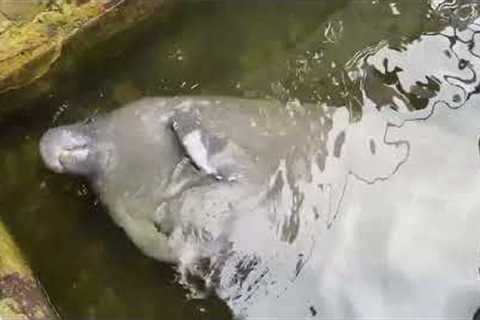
column 393, row 228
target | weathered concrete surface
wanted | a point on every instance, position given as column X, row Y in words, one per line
column 29, row 50
column 21, row 296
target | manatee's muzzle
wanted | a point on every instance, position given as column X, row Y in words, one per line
column 64, row 150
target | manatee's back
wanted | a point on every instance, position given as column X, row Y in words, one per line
column 266, row 129
column 144, row 154
column 147, row 150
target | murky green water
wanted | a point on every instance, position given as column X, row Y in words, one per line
column 279, row 49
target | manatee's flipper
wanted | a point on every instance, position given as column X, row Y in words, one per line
column 209, row 152
column 181, row 178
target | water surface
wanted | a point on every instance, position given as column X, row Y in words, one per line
column 405, row 218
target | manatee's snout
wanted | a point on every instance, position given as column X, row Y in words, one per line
column 67, row 150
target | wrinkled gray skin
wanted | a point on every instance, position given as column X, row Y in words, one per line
column 244, row 197
column 172, row 206
column 235, row 192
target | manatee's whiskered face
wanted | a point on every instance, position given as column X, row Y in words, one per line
column 69, row 149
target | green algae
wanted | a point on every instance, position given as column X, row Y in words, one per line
column 21, row 296
column 30, row 51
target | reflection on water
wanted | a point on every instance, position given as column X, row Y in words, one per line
column 405, row 246
column 380, row 222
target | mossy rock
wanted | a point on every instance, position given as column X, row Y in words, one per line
column 31, row 46
column 21, row 295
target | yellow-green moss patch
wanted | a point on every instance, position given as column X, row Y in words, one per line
column 21, row 296
column 28, row 51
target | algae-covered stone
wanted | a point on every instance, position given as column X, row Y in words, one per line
column 21, row 295
column 29, row 49
column 21, row 11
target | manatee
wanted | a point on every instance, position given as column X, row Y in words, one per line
column 233, row 191
column 141, row 157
